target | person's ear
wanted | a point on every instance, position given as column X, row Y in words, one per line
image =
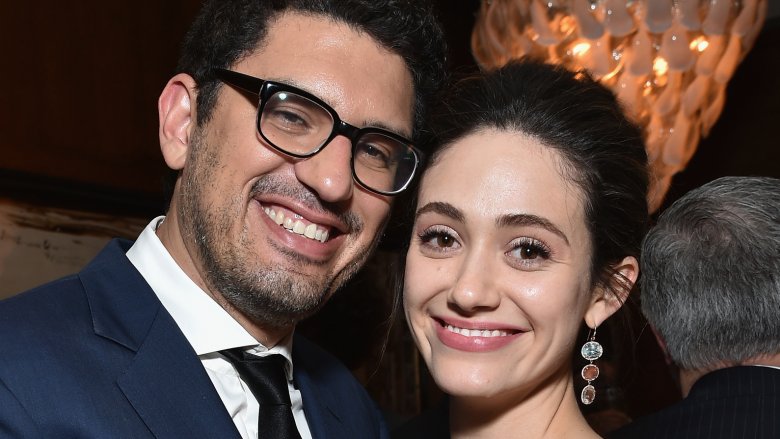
column 606, row 301
column 176, row 108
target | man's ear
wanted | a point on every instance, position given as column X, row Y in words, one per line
column 606, row 301
column 176, row 107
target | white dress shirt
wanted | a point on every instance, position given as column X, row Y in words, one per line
column 190, row 307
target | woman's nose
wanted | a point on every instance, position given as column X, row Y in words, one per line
column 474, row 289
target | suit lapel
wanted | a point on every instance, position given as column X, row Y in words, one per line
column 170, row 390
column 165, row 382
column 324, row 421
column 323, row 413
column 336, row 405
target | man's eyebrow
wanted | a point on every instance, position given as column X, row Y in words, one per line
column 381, row 125
column 442, row 208
column 524, row 219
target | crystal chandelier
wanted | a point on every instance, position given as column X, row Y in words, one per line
column 668, row 61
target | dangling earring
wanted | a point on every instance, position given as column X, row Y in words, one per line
column 590, row 351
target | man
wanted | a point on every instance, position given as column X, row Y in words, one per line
column 288, row 127
column 711, row 289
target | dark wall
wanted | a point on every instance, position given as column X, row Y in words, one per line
column 743, row 141
column 80, row 82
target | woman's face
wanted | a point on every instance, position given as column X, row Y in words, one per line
column 497, row 274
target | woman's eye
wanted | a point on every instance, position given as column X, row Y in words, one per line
column 530, row 250
column 439, row 240
column 444, row 241
column 526, row 252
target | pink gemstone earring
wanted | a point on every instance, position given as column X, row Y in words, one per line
column 590, row 351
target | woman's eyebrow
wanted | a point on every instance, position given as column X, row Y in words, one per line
column 442, row 208
column 524, row 219
column 520, row 219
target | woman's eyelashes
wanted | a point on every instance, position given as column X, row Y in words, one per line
column 439, row 239
column 528, row 252
column 524, row 252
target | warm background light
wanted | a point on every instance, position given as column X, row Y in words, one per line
column 668, row 61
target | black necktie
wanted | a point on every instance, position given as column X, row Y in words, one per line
column 266, row 379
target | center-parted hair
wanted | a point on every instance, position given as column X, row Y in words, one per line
column 603, row 152
column 711, row 273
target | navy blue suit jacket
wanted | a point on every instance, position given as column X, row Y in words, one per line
column 96, row 355
column 733, row 403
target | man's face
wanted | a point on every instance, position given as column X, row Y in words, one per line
column 234, row 187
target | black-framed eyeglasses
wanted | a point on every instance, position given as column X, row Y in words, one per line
column 299, row 124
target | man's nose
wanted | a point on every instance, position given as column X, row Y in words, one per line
column 329, row 172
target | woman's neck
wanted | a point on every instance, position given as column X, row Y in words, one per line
column 549, row 411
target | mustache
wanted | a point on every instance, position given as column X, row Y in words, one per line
column 273, row 184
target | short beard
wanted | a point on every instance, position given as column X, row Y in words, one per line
column 270, row 296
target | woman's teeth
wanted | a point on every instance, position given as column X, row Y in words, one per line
column 476, row 332
column 295, row 225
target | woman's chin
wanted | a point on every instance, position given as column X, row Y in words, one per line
column 467, row 388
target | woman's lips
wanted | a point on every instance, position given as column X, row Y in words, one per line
column 475, row 336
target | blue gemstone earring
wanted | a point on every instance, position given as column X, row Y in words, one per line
column 590, row 351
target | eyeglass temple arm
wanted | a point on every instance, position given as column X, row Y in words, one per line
column 247, row 83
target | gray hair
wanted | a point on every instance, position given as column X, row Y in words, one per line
column 710, row 269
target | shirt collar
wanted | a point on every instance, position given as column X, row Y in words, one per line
column 190, row 306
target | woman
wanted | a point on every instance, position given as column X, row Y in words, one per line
column 528, row 224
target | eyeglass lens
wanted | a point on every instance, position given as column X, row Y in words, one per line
column 298, row 125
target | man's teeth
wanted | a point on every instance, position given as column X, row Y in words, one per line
column 476, row 332
column 297, row 226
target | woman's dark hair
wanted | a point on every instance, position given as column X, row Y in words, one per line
column 603, row 152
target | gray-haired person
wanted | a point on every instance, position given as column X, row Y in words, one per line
column 711, row 289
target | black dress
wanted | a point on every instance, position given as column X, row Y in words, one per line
column 432, row 424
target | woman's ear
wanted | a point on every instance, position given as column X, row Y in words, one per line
column 176, row 109
column 606, row 301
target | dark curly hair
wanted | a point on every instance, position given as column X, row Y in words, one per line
column 225, row 31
